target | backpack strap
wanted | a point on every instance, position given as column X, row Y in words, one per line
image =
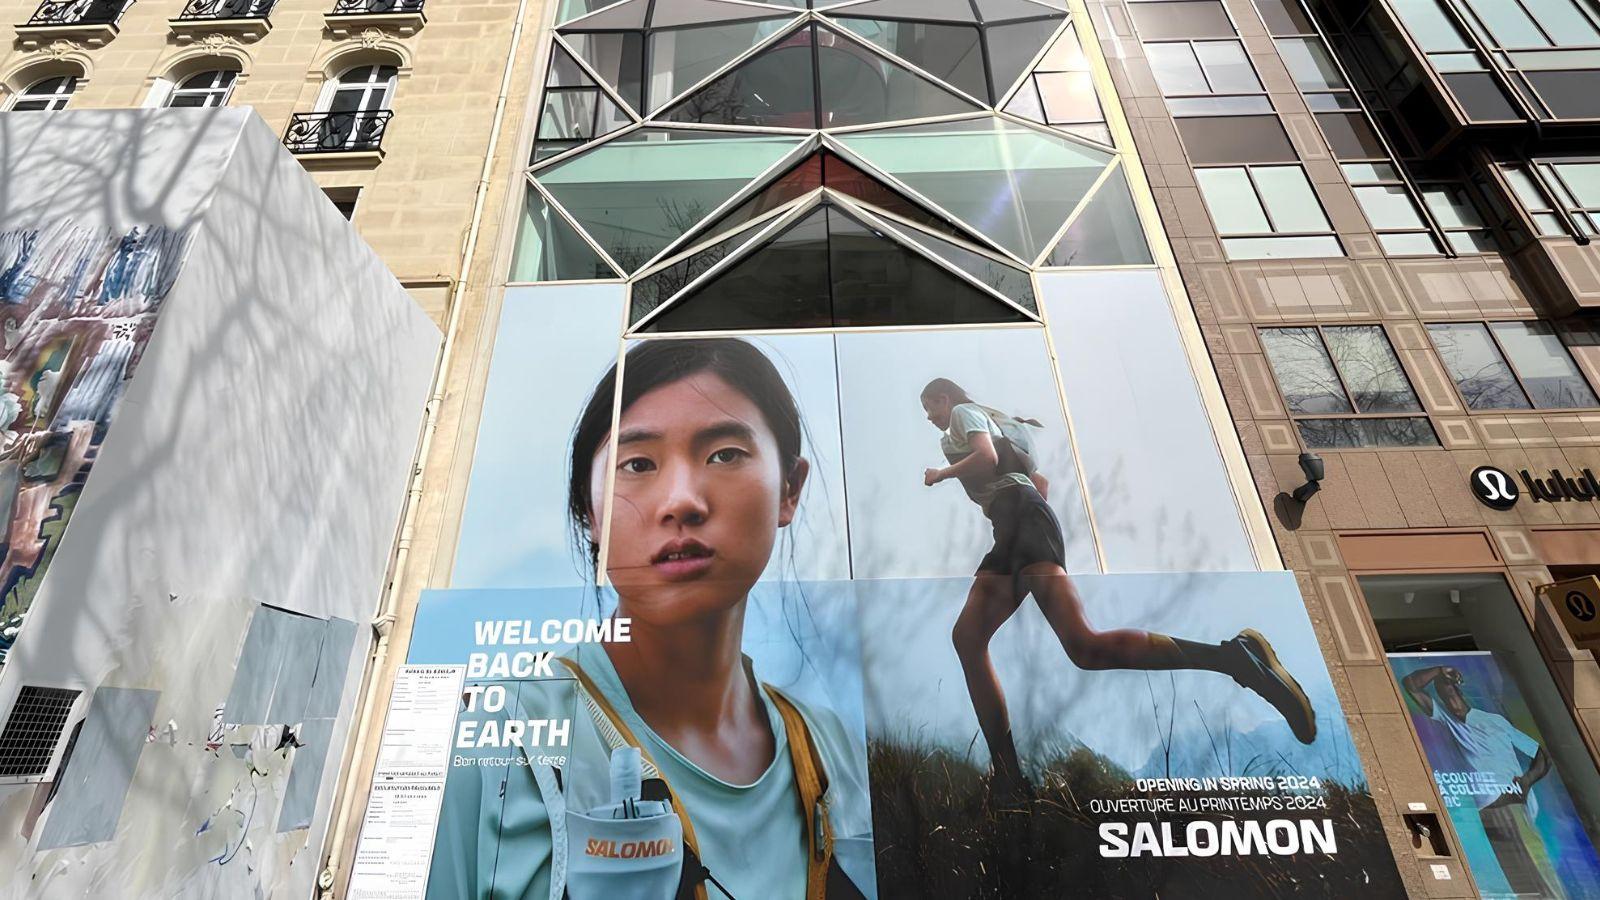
column 812, row 781
column 597, row 701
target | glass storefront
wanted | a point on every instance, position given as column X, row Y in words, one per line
column 1517, row 781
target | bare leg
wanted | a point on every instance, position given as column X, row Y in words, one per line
column 1249, row 659
column 1124, row 648
column 1041, row 484
column 989, row 604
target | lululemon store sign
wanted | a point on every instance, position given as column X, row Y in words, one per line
column 1496, row 488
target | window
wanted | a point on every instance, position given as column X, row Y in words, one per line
column 203, row 90
column 1390, row 209
column 1330, row 375
column 1576, row 186
column 1453, row 210
column 1531, row 196
column 356, row 106
column 51, row 93
column 1207, row 78
column 1315, row 73
column 1267, row 212
column 343, row 199
column 1511, row 365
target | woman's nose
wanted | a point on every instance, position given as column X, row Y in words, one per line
column 683, row 502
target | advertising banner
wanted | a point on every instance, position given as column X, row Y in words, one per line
column 828, row 614
column 1518, row 828
column 830, row 730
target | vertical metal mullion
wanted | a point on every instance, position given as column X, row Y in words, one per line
column 1250, row 176
column 816, row 75
column 1344, row 385
column 1511, row 366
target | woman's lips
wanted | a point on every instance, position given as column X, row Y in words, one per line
column 681, row 560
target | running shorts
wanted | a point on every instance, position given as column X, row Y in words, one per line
column 1025, row 532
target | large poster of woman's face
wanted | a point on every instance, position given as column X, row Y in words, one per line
column 824, row 615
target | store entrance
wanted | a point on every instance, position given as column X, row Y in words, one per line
column 1517, row 780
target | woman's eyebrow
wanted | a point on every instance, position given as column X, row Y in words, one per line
column 730, row 428
column 637, row 436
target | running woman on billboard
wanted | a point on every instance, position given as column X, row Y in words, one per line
column 707, row 466
column 1028, row 557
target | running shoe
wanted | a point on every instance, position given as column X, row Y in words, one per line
column 1257, row 668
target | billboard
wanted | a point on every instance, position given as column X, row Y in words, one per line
column 1515, row 818
column 794, row 733
column 830, row 613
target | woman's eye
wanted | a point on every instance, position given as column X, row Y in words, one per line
column 637, row 465
column 728, row 455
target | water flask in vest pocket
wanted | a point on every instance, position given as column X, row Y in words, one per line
column 629, row 849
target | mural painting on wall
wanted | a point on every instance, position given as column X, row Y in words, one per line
column 77, row 305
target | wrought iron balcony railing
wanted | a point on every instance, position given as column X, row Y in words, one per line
column 227, row 9
column 336, row 132
column 375, row 7
column 78, row 12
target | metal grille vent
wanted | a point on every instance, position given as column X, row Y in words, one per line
column 33, row 730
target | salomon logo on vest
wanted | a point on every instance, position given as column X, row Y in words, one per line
column 628, row 849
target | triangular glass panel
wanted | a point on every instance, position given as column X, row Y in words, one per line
column 1069, row 98
column 618, row 57
column 572, row 9
column 657, row 288
column 683, row 57
column 1025, row 102
column 1066, row 54
column 1010, row 182
column 565, row 71
column 637, row 194
column 1098, row 132
column 831, row 269
column 1000, row 277
column 798, row 181
column 677, row 13
column 575, row 109
column 550, row 249
column 1012, row 49
column 1106, row 233
column 935, row 10
column 773, row 88
column 826, row 169
column 627, row 15
column 1013, row 10
column 840, row 175
column 860, row 87
column 951, row 52
column 574, row 116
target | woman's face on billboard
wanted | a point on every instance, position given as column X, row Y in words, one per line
column 700, row 496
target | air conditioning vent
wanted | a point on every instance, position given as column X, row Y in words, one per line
column 28, row 743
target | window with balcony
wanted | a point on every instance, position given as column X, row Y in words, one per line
column 1455, row 213
column 1390, row 208
column 49, row 93
column 79, row 12
column 1344, row 387
column 226, row 9
column 375, row 7
column 1267, row 212
column 204, row 89
column 352, row 115
column 1511, row 365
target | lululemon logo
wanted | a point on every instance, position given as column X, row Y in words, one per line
column 1581, row 607
column 1494, row 488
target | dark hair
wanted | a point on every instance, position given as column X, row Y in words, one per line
column 658, row 363
column 944, row 387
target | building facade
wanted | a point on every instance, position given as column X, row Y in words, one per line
column 1379, row 213
column 1214, row 237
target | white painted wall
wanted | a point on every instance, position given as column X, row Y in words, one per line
column 259, row 456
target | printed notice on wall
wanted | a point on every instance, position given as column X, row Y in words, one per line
column 397, row 833
column 422, row 712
